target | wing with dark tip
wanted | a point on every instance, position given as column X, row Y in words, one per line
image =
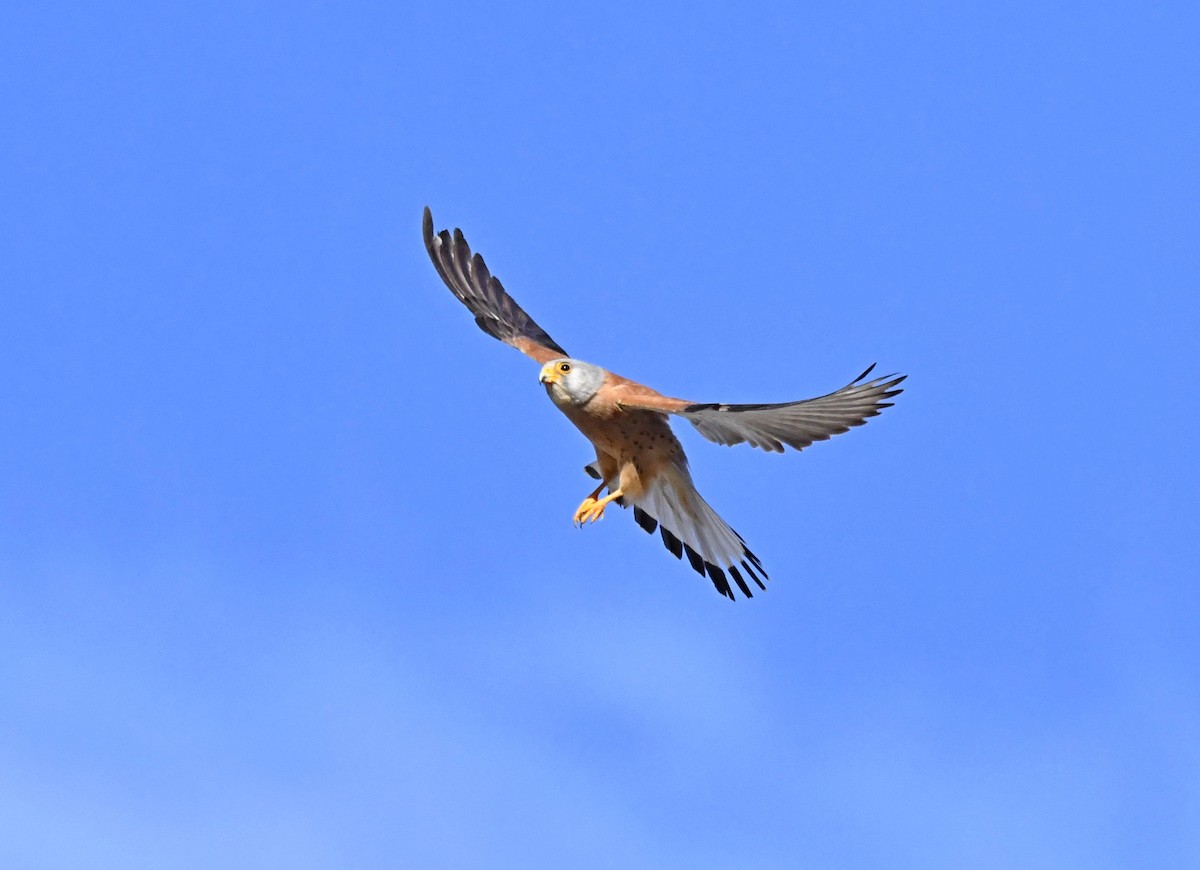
column 495, row 311
column 795, row 424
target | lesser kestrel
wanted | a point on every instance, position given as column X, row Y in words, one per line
column 638, row 458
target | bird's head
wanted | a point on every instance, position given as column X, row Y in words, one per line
column 571, row 381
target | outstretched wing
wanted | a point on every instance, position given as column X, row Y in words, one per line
column 796, row 424
column 495, row 311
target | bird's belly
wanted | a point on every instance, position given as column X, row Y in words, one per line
column 642, row 438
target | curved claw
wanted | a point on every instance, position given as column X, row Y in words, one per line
column 592, row 510
column 581, row 513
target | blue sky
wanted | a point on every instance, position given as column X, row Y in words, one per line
column 287, row 572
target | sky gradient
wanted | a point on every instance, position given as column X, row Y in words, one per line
column 287, row 572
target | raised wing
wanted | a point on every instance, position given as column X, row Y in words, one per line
column 796, row 424
column 495, row 311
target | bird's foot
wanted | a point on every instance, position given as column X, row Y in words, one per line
column 581, row 513
column 591, row 512
column 593, row 509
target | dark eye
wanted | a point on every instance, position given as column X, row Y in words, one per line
column 564, row 368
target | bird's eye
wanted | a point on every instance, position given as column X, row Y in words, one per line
column 564, row 368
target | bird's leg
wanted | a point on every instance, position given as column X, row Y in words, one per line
column 587, row 505
column 593, row 509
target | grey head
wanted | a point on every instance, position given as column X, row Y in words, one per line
column 571, row 381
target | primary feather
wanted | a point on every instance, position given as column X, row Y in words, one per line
column 495, row 311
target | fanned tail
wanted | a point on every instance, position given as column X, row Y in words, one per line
column 688, row 525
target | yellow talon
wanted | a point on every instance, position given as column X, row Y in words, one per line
column 591, row 509
column 582, row 511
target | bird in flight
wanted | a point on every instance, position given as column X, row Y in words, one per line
column 638, row 458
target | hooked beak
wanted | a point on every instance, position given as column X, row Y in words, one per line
column 549, row 375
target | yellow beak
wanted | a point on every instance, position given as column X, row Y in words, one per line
column 549, row 375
